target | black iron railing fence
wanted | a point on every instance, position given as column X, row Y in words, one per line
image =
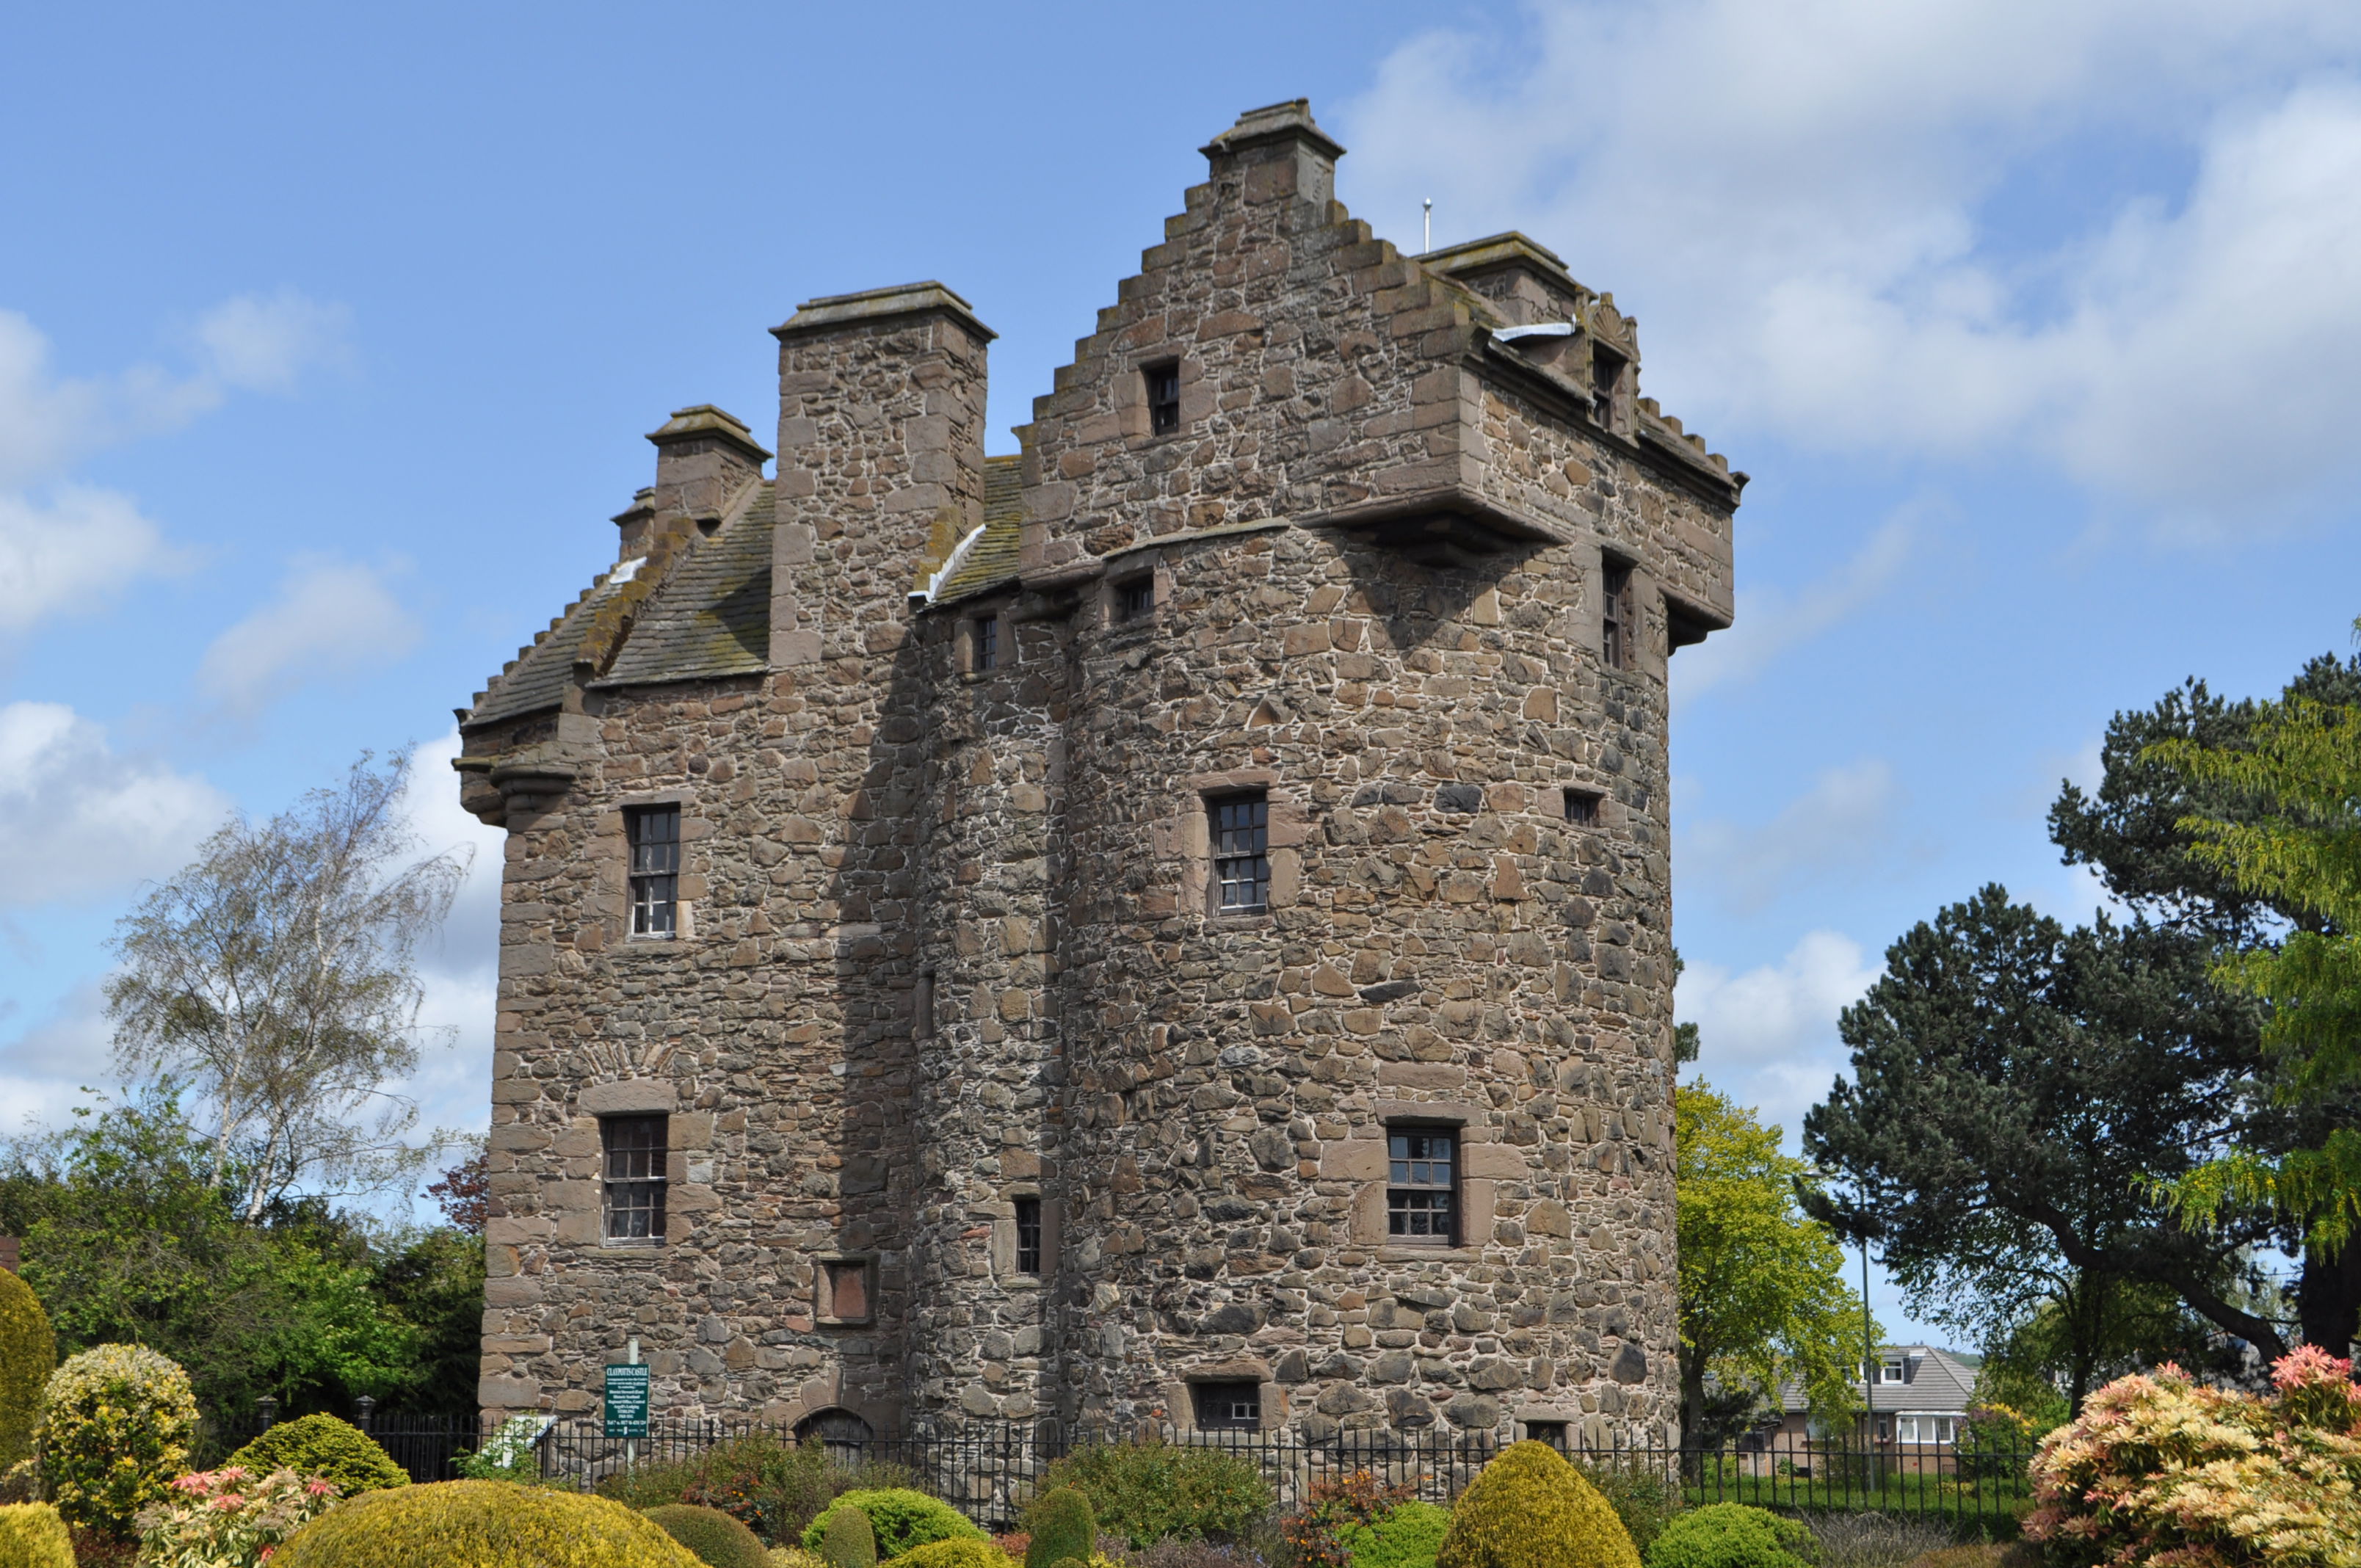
column 989, row 1473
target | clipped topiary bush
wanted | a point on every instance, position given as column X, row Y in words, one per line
column 322, row 1447
column 1643, row 1496
column 483, row 1524
column 1530, row 1508
column 33, row 1536
column 1148, row 1492
column 899, row 1520
column 1408, row 1536
column 28, row 1354
column 960, row 1553
column 846, row 1541
column 1732, row 1535
column 796, row 1557
column 1060, row 1524
column 718, row 1541
column 116, row 1426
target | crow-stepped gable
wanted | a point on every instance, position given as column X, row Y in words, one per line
column 1170, row 927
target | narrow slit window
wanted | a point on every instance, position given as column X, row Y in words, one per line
column 635, row 1154
column 1615, row 628
column 1242, row 853
column 1422, row 1186
column 1135, row 598
column 653, row 832
column 1582, row 806
column 1163, row 399
column 1606, row 373
column 986, row 633
column 1029, row 1235
column 1228, row 1406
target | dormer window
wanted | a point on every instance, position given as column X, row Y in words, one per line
column 1163, row 398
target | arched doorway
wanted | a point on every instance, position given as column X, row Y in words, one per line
column 845, row 1435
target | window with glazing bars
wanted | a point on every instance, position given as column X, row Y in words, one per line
column 1421, row 1186
column 987, row 642
column 1615, row 626
column 1233, row 1406
column 1163, row 399
column 635, row 1177
column 1029, row 1235
column 1241, row 852
column 654, row 835
column 1135, row 598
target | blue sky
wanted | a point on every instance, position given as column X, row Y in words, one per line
column 327, row 338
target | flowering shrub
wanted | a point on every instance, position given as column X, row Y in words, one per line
column 2162, row 1470
column 1317, row 1532
column 230, row 1517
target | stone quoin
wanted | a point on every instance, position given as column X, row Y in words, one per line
column 1173, row 926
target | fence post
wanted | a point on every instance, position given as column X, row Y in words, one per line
column 268, row 1409
column 366, row 1406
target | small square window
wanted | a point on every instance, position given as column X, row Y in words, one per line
column 1582, row 806
column 635, row 1154
column 1422, row 1186
column 1029, row 1235
column 984, row 634
column 1616, row 630
column 1228, row 1406
column 653, row 833
column 1163, row 398
column 1241, row 824
column 1135, row 598
column 850, row 1284
column 1551, row 1432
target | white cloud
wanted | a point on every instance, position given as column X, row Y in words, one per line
column 78, row 820
column 461, row 970
column 44, row 1067
column 65, row 548
column 1812, row 203
column 330, row 618
column 264, row 342
column 1843, row 822
column 1769, row 622
column 1769, row 1034
column 71, row 552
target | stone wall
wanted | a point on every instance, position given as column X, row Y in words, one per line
column 949, row 942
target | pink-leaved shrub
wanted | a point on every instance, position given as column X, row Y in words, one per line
column 2160, row 1471
column 229, row 1518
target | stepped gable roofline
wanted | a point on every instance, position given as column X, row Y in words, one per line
column 1290, row 121
column 881, row 304
column 703, row 421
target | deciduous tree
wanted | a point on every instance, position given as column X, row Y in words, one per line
column 1762, row 1298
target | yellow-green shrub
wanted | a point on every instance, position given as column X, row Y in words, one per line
column 718, row 1541
column 116, row 1426
column 28, row 1354
column 323, row 1447
column 483, row 1524
column 1530, row 1508
column 901, row 1519
column 33, row 1536
column 954, row 1554
column 796, row 1557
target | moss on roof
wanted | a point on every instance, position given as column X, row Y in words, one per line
column 990, row 559
column 712, row 616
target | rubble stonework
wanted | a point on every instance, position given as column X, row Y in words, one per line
column 949, row 941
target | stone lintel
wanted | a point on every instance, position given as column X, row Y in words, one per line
column 630, row 1095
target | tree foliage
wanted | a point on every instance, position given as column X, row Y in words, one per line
column 133, row 1235
column 274, row 976
column 2014, row 1087
column 1762, row 1298
column 2298, row 846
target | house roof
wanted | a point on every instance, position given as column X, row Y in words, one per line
column 1934, row 1382
column 988, row 557
column 712, row 614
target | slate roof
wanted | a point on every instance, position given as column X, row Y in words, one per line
column 990, row 559
column 541, row 670
column 712, row 616
column 1937, row 1383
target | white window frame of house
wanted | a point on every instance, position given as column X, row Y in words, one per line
column 1923, row 1427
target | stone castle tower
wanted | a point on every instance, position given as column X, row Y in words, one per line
column 1172, row 927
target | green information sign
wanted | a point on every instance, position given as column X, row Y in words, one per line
column 627, row 1401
